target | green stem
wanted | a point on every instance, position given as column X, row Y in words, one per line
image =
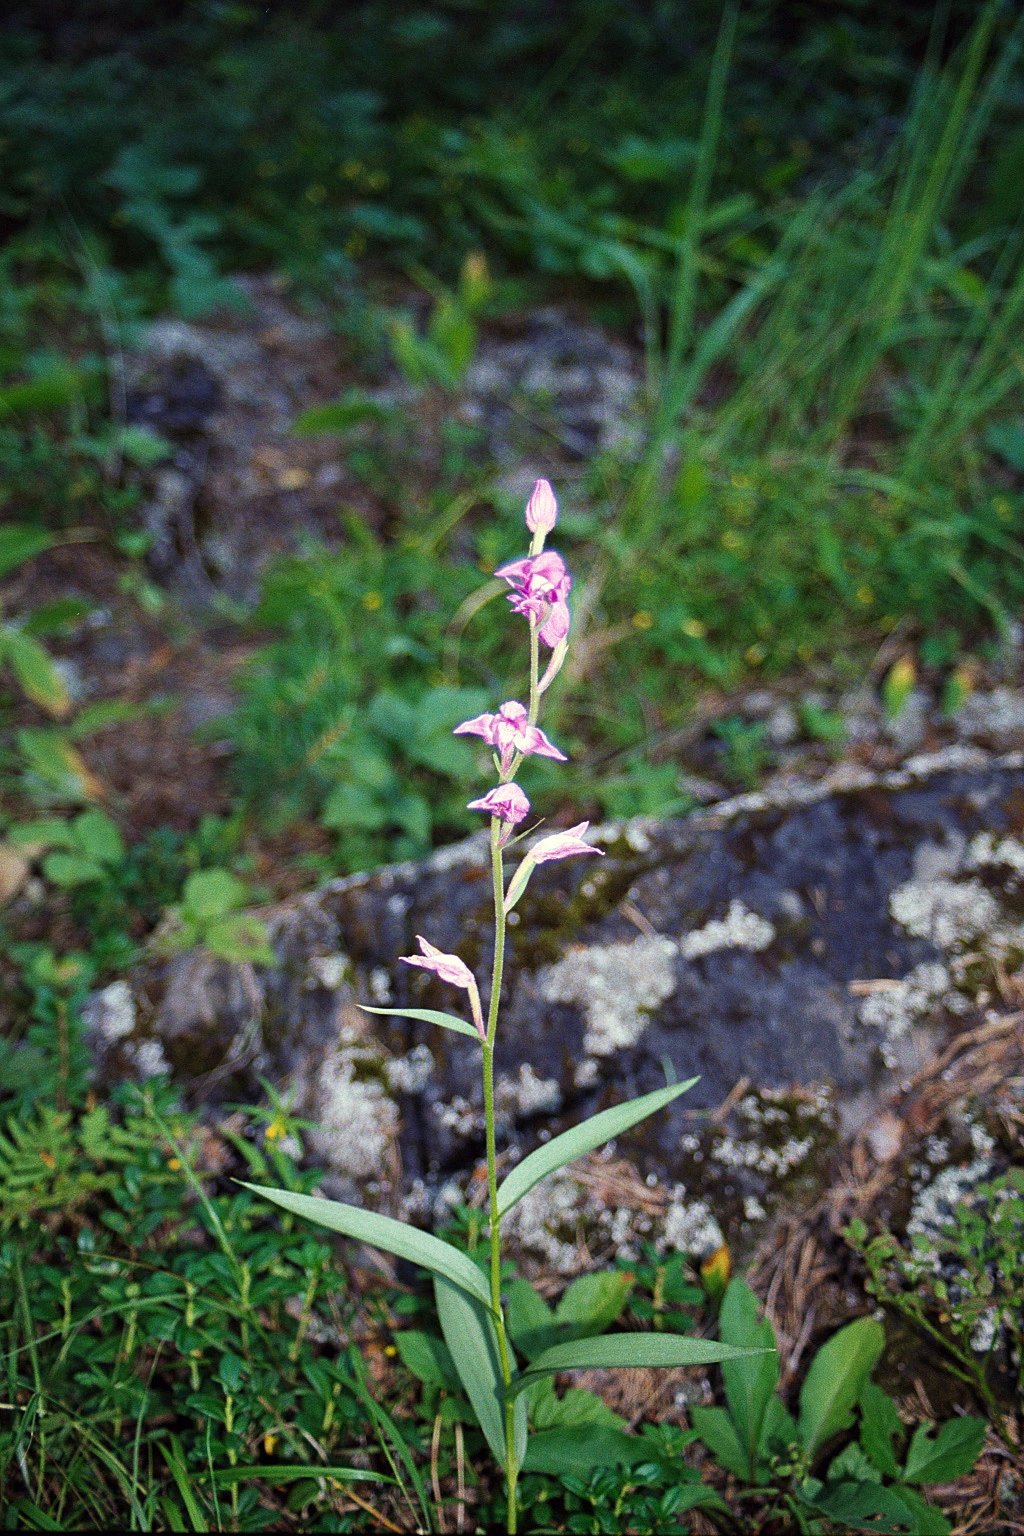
column 534, row 673
column 498, row 879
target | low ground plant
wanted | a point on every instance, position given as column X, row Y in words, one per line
column 963, row 1289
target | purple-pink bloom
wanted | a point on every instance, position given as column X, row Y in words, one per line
column 510, row 731
column 506, row 801
column 561, row 845
column 449, row 967
column 540, row 585
column 542, row 508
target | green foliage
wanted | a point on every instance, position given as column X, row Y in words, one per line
column 75, row 852
column 965, row 1290
column 208, row 915
column 341, row 718
column 148, row 1299
column 864, row 1486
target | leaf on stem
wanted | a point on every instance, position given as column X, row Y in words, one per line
column 615, row 1350
column 582, row 1139
column 470, row 1334
column 396, row 1237
column 427, row 1016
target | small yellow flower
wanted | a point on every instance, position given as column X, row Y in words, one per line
column 389, row 1349
column 642, row 619
column 269, row 1441
column 276, row 1129
column 174, row 1163
column 694, row 628
column 372, row 601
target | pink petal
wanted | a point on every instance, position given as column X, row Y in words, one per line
column 562, row 845
column 555, row 626
column 480, row 725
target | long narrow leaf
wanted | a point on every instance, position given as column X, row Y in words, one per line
column 427, row 1016
column 291, row 1474
column 396, row 1237
column 615, row 1350
column 175, row 1458
column 469, row 1332
column 582, row 1139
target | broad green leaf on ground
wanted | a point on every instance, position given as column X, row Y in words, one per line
column 241, row 937
column 58, row 764
column 836, row 1378
column 36, row 673
column 929, row 1520
column 20, row 542
column 98, row 837
column 863, row 1507
column 627, row 1349
column 953, row 1452
column 68, row 869
column 879, row 1422
column 718, row 1432
column 427, row 1016
column 470, row 1334
column 582, row 1139
column 576, row 1406
column 593, row 1302
column 749, row 1384
column 529, row 1319
column 428, row 1358
column 575, row 1451
column 396, row 1237
column 211, row 893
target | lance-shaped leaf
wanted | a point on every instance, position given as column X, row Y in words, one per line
column 470, row 1334
column 835, row 1380
column 582, row 1139
column 613, row 1350
column 395, row 1237
column 427, row 1016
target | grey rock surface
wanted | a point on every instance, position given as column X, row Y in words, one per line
column 803, row 955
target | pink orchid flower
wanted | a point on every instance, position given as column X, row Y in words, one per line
column 510, row 731
column 559, row 845
column 541, row 512
column 507, row 802
column 540, row 585
column 449, row 967
column 562, row 845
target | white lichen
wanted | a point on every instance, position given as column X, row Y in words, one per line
column 616, row 985
column 110, row 1014
column 946, row 913
column 329, row 970
column 527, row 1094
column 894, row 1009
column 546, row 1220
column 739, row 929
column 411, row 1073
column 357, row 1121
column 690, row 1227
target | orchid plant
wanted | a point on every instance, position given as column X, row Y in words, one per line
column 471, row 1308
